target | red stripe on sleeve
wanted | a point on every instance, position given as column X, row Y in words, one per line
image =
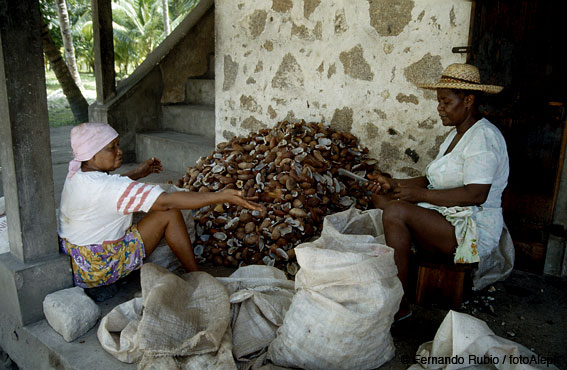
column 125, row 194
column 133, row 198
column 143, row 199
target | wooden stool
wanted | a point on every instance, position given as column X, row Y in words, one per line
column 442, row 282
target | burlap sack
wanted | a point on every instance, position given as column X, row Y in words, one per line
column 347, row 292
column 184, row 323
column 260, row 297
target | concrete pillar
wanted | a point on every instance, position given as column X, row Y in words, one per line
column 34, row 267
column 24, row 128
column 103, row 50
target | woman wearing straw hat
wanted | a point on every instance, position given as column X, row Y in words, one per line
column 455, row 208
column 96, row 210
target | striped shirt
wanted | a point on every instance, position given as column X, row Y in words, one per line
column 97, row 207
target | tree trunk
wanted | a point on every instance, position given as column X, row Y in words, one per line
column 165, row 17
column 68, row 41
column 74, row 96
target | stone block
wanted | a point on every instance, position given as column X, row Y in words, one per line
column 70, row 312
column 25, row 285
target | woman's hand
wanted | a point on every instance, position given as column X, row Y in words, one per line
column 235, row 197
column 380, row 184
column 408, row 193
column 149, row 166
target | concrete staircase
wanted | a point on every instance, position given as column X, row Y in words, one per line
column 188, row 129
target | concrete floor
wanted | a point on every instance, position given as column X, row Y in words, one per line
column 526, row 308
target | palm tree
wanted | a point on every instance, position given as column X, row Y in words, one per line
column 83, row 39
column 139, row 26
column 178, row 9
column 165, row 7
column 77, row 101
column 67, row 38
column 137, row 30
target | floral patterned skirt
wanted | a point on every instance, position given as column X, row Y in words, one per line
column 103, row 264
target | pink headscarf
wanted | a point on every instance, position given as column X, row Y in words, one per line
column 87, row 139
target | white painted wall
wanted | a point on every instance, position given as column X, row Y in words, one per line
column 350, row 63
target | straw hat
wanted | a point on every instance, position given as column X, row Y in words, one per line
column 462, row 77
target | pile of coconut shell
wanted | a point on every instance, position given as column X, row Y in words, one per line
column 291, row 170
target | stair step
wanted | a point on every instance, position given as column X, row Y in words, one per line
column 200, row 92
column 190, row 119
column 176, row 150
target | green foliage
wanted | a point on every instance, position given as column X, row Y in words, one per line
column 49, row 11
column 138, row 29
column 178, row 9
column 80, row 17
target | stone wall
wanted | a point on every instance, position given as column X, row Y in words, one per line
column 350, row 64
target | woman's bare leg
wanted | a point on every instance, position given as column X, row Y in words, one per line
column 155, row 225
column 404, row 222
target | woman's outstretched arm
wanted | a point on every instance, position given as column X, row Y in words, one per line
column 195, row 200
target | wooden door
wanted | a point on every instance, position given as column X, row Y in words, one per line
column 519, row 44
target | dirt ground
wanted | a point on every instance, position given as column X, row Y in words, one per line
column 526, row 308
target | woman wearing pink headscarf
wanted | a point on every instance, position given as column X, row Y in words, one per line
column 96, row 210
